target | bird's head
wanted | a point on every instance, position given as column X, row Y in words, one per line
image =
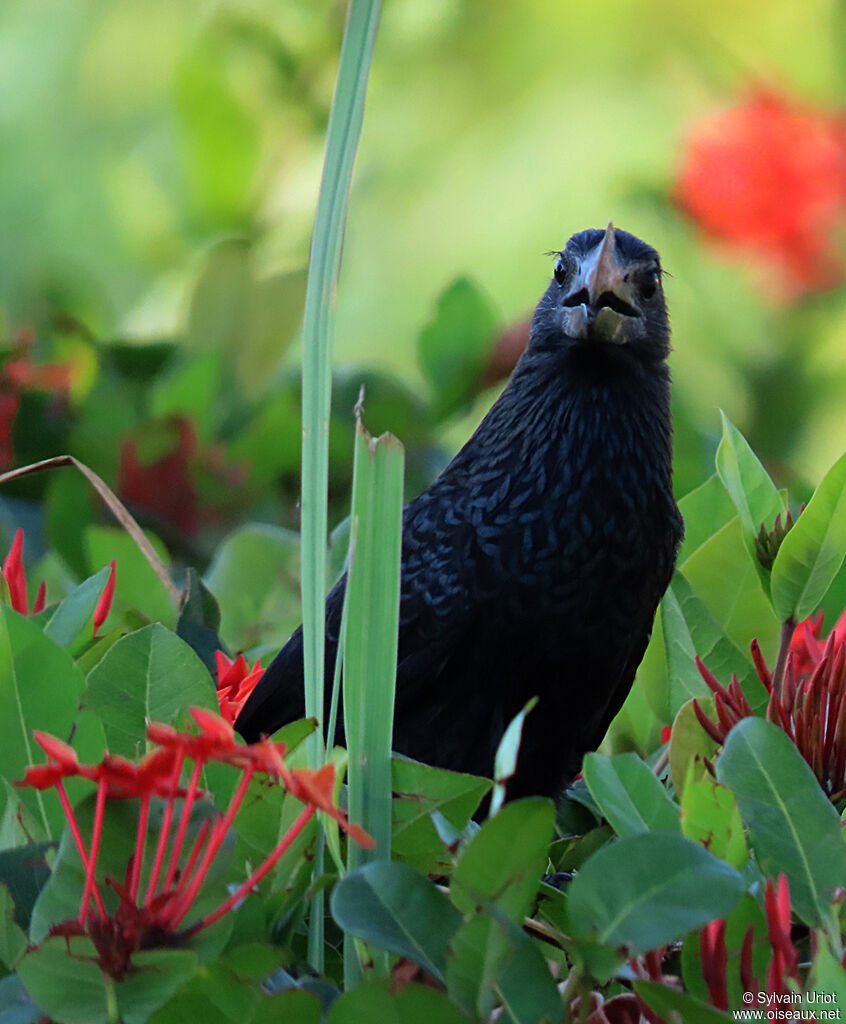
column 606, row 291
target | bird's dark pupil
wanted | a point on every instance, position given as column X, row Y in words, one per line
column 560, row 272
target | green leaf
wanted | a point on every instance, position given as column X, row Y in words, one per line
column 293, row 1006
column 749, row 486
column 727, row 583
column 505, row 760
column 191, row 389
column 811, row 554
column 199, row 620
column 40, row 687
column 650, row 889
column 456, row 345
column 13, row 940
column 705, row 510
column 419, row 792
column 24, row 872
column 829, row 977
column 76, row 611
column 689, row 741
column 675, row 1005
column 136, row 584
column 794, row 827
column 709, row 814
column 690, row 629
column 254, row 579
column 371, row 617
column 504, row 861
column 394, row 907
column 629, row 795
column 369, row 1001
column 492, row 960
column 148, row 675
column 62, row 976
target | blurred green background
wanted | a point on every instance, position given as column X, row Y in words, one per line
column 158, row 178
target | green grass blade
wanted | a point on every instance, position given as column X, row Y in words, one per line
column 370, row 643
column 318, row 336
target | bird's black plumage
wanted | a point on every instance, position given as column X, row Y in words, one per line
column 533, row 565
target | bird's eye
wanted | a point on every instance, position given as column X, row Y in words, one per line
column 649, row 283
column 560, row 271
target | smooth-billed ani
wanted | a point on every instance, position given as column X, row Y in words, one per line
column 533, row 565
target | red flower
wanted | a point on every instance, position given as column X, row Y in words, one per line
column 101, row 612
column 177, row 872
column 9, row 405
column 164, row 487
column 808, row 703
column 235, row 682
column 15, row 575
column 768, row 177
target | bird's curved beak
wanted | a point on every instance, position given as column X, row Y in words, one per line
column 600, row 298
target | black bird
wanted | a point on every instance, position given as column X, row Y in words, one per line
column 533, row 565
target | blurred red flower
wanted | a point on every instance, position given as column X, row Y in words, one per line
column 163, row 486
column 768, row 177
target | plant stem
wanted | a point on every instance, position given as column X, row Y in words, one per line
column 787, row 628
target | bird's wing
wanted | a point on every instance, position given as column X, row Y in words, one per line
column 435, row 602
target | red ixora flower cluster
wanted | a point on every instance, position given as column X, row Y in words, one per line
column 782, row 974
column 768, row 177
column 15, row 576
column 783, row 968
column 155, row 917
column 808, row 702
column 235, row 682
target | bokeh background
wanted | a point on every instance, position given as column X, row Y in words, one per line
column 159, row 171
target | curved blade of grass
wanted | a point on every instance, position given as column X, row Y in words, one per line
column 115, row 506
column 318, row 334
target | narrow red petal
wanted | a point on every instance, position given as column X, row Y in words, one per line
column 13, row 570
column 101, row 612
column 40, row 598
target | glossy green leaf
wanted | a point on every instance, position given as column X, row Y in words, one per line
column 749, row 486
column 419, row 792
column 76, row 611
column 493, row 961
column 705, row 511
column 709, row 814
column 503, row 862
column 40, row 688
column 812, row 553
column 689, row 741
column 629, row 795
column 727, row 582
column 690, row 630
column 62, row 976
column 647, row 890
column 794, row 827
column 394, row 907
column 148, row 675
